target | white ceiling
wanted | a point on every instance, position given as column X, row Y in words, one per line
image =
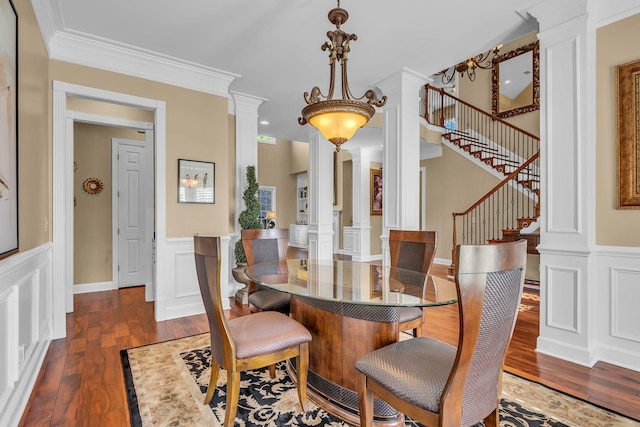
column 274, row 45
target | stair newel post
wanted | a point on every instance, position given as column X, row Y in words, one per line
column 452, row 267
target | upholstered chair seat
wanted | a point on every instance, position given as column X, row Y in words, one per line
column 264, row 245
column 412, row 250
column 248, row 342
column 437, row 384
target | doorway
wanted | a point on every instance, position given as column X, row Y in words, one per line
column 132, row 212
column 62, row 258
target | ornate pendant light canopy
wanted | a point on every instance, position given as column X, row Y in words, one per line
column 338, row 119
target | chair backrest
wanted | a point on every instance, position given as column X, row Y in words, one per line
column 263, row 245
column 412, row 249
column 207, row 256
column 489, row 281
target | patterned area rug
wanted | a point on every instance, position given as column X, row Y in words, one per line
column 166, row 384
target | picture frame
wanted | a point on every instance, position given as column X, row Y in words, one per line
column 8, row 129
column 196, row 181
column 375, row 193
column 628, row 135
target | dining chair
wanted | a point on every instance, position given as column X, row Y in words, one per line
column 435, row 383
column 248, row 342
column 263, row 245
column 412, row 250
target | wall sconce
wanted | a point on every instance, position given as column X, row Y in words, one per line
column 270, row 220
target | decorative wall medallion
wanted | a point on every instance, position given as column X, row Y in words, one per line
column 92, row 185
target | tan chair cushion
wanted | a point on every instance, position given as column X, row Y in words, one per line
column 409, row 313
column 401, row 368
column 266, row 332
column 268, row 300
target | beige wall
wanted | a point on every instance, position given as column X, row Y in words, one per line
column 197, row 129
column 453, row 185
column 273, row 170
column 92, row 261
column 34, row 149
column 478, row 92
column 299, row 161
column 616, row 45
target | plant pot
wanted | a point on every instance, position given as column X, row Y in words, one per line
column 242, row 295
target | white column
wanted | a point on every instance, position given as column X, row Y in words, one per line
column 245, row 108
column 401, row 154
column 361, row 158
column 320, row 200
column 568, row 310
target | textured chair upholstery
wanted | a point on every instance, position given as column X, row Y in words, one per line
column 265, row 245
column 412, row 250
column 248, row 342
column 437, row 384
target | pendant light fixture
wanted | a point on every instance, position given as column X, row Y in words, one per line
column 339, row 119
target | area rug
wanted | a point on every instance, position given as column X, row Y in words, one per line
column 166, row 384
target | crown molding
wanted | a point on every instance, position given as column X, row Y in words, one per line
column 82, row 49
column 50, row 19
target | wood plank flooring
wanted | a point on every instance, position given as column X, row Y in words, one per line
column 81, row 381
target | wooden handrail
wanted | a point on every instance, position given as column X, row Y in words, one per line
column 502, row 183
column 497, row 187
column 473, row 107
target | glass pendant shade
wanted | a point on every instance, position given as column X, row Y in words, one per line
column 338, row 125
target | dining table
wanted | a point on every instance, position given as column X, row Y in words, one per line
column 351, row 308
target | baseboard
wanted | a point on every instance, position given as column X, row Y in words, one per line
column 568, row 352
column 84, row 288
column 442, row 261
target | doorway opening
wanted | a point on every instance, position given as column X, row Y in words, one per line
column 62, row 258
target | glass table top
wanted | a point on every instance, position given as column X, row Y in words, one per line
column 353, row 282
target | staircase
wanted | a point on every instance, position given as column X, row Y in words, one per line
column 511, row 209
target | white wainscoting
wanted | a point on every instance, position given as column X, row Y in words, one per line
column 618, row 299
column 183, row 293
column 26, row 326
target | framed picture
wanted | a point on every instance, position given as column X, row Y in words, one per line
column 196, row 181
column 628, row 94
column 8, row 129
column 376, row 191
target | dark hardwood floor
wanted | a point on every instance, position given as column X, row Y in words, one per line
column 81, row 381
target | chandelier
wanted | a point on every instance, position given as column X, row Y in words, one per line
column 338, row 119
column 483, row 60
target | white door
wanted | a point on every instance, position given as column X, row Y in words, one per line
column 133, row 199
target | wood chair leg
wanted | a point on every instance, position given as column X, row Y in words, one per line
column 213, row 380
column 365, row 401
column 302, row 362
column 272, row 371
column 493, row 419
column 233, row 394
column 417, row 331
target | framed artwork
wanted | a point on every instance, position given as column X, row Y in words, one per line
column 628, row 118
column 196, row 181
column 8, row 129
column 376, row 191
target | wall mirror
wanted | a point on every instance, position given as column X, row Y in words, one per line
column 515, row 82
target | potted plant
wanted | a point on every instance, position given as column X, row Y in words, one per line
column 248, row 220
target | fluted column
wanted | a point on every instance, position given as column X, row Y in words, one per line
column 320, row 200
column 401, row 154
column 361, row 158
column 245, row 108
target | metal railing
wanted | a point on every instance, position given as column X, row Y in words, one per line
column 514, row 152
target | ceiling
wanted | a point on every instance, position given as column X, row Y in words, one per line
column 273, row 46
